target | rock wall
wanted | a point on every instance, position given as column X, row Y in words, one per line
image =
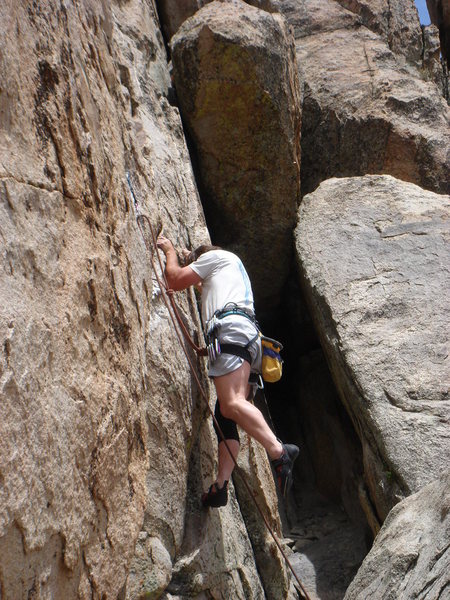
column 397, row 23
column 173, row 13
column 105, row 442
column 365, row 110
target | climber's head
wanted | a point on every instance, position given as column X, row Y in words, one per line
column 190, row 257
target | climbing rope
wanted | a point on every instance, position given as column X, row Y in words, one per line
column 167, row 295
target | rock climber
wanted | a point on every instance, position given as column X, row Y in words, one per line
column 229, row 322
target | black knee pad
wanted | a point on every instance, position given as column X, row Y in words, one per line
column 228, row 427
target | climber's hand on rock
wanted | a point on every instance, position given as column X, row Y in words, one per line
column 164, row 244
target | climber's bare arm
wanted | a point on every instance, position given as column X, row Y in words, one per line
column 178, row 278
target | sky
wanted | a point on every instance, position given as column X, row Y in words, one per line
column 423, row 12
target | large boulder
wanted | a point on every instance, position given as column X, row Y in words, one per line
column 366, row 109
column 236, row 79
column 374, row 266
column 410, row 557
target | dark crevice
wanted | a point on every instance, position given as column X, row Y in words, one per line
column 325, row 509
column 162, row 27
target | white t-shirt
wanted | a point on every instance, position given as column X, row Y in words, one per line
column 224, row 280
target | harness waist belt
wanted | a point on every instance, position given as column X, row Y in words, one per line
column 234, row 310
column 236, row 350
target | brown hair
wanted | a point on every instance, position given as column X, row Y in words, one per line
column 199, row 251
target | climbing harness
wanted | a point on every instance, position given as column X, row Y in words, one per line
column 215, row 348
column 271, row 364
column 167, row 296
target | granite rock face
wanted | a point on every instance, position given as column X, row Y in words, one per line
column 256, row 472
column 366, row 109
column 236, row 78
column 411, row 556
column 103, row 431
column 373, row 261
column 397, row 23
column 79, row 376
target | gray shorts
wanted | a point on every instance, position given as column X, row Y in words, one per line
column 236, row 329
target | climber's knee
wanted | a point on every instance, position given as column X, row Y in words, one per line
column 228, row 426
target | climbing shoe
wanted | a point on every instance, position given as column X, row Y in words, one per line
column 283, row 467
column 215, row 496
